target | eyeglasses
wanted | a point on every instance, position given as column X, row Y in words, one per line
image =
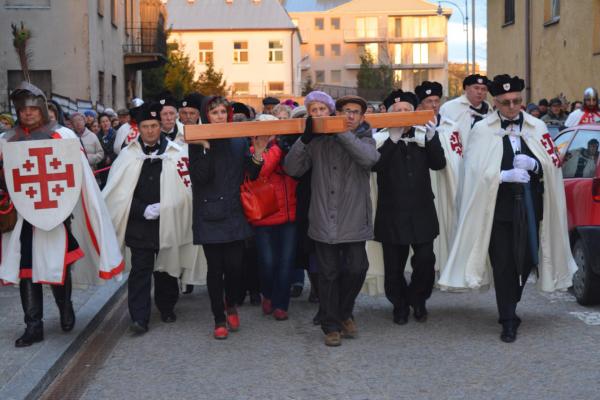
column 508, row 103
column 349, row 113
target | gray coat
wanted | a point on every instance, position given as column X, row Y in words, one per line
column 340, row 203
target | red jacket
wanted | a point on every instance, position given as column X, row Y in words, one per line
column 285, row 187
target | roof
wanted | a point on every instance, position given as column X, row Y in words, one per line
column 390, row 7
column 220, row 15
column 311, row 5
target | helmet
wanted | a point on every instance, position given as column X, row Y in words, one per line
column 588, row 94
column 27, row 94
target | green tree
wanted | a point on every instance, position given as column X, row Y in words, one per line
column 211, row 82
column 176, row 76
column 373, row 82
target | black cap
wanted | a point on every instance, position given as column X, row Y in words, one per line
column 241, row 108
column 427, row 89
column 166, row 99
column 554, row 101
column 270, row 101
column 193, row 100
column 475, row 79
column 342, row 101
column 506, row 84
column 543, row 102
column 147, row 111
column 399, row 95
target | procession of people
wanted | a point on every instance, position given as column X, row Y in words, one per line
column 474, row 198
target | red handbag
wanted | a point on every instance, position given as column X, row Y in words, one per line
column 258, row 199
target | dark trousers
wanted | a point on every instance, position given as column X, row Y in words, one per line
column 276, row 247
column 506, row 279
column 224, row 275
column 166, row 287
column 250, row 275
column 397, row 291
column 342, row 271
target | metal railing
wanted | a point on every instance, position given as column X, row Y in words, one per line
column 148, row 38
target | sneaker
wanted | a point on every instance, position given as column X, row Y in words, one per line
column 267, row 307
column 349, row 328
column 280, row 315
column 220, row 332
column 333, row 339
column 233, row 320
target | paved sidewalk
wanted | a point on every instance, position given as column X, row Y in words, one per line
column 24, row 372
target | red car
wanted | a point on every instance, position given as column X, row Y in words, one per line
column 578, row 147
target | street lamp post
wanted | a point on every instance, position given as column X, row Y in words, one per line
column 465, row 16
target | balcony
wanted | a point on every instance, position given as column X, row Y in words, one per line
column 145, row 46
column 427, row 39
column 365, row 36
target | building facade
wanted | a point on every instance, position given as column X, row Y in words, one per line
column 409, row 36
column 91, row 50
column 553, row 44
column 253, row 42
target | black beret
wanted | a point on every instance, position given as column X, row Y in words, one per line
column 241, row 108
column 399, row 95
column 166, row 99
column 342, row 101
column 192, row 100
column 427, row 89
column 505, row 84
column 475, row 79
column 148, row 111
column 270, row 101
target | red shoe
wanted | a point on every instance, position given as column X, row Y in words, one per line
column 280, row 315
column 233, row 320
column 267, row 307
column 221, row 332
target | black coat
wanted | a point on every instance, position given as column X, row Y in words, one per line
column 405, row 208
column 140, row 232
column 216, row 176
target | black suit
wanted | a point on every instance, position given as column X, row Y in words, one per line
column 142, row 236
column 406, row 217
column 501, row 249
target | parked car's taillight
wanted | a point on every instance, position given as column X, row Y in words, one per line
column 596, row 189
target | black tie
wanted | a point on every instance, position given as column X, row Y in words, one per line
column 151, row 149
column 505, row 123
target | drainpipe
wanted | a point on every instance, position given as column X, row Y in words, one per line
column 528, row 51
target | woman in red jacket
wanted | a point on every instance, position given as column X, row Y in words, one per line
column 276, row 235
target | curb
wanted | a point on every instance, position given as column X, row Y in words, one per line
column 41, row 370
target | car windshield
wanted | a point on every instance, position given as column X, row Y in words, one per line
column 581, row 159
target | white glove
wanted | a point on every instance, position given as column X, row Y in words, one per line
column 525, row 162
column 152, row 211
column 430, row 130
column 516, row 175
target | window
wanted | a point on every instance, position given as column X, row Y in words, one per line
column 240, row 52
column 581, row 160
column 398, row 78
column 395, row 27
column 241, row 88
column 276, row 51
column 562, row 141
column 205, row 54
column 101, row 8
column 113, row 12
column 113, row 90
column 420, row 53
column 319, row 24
column 335, row 24
column 336, row 50
column 416, row 27
column 551, row 11
column 100, row 87
column 27, row 4
column 397, row 53
column 509, row 12
column 420, row 75
column 275, row 87
column 336, row 76
column 320, row 76
column 373, row 50
column 320, row 50
column 366, row 27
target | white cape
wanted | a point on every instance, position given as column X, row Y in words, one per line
column 468, row 266
column 177, row 256
column 90, row 226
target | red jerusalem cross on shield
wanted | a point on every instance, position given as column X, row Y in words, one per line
column 44, row 179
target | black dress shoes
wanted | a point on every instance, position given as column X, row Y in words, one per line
column 138, row 327
column 401, row 315
column 33, row 333
column 509, row 331
column 296, row 291
column 188, row 289
column 168, row 317
column 420, row 313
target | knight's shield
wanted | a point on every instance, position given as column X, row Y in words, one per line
column 44, row 179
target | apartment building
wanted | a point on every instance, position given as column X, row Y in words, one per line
column 407, row 35
column 253, row 42
column 553, row 44
column 90, row 50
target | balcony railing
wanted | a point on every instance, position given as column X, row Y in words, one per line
column 145, row 45
column 364, row 36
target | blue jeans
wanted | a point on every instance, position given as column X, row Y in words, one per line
column 276, row 248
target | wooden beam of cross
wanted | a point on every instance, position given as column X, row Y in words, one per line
column 325, row 125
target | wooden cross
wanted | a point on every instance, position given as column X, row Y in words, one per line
column 193, row 133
